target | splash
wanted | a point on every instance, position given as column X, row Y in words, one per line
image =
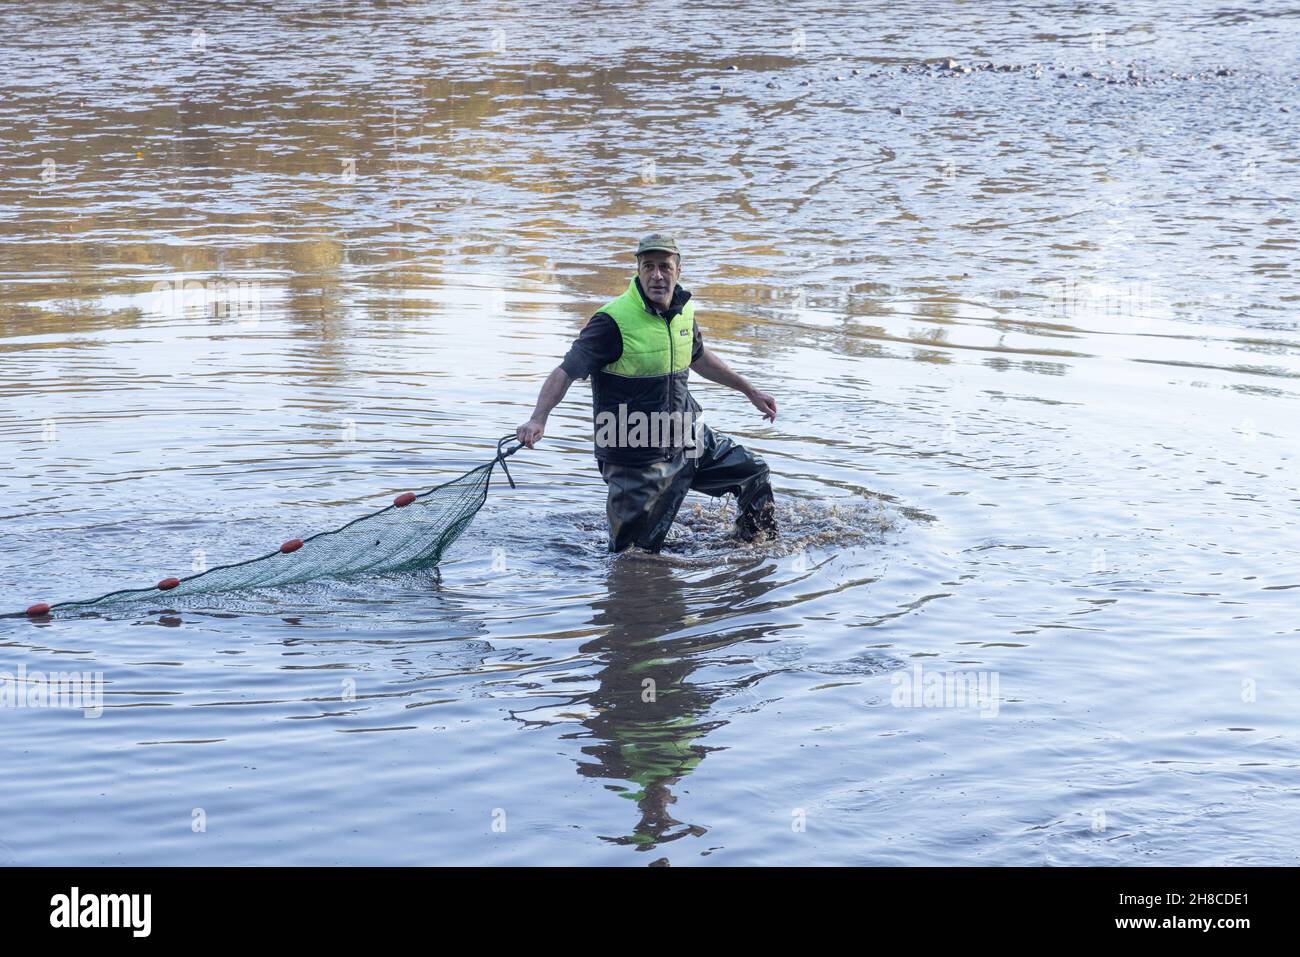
column 702, row 528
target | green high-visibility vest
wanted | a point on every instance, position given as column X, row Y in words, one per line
column 651, row 346
column 648, row 377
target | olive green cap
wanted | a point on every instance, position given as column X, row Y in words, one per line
column 657, row 241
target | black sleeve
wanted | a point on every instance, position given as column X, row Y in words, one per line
column 697, row 347
column 599, row 344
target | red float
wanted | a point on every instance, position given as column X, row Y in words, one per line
column 406, row 498
column 167, row 583
column 292, row 545
column 40, row 608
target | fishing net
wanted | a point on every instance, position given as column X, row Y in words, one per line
column 412, row 533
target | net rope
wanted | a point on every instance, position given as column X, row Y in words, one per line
column 412, row 533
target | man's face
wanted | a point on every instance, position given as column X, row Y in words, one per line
column 659, row 271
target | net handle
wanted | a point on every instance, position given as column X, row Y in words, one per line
column 502, row 455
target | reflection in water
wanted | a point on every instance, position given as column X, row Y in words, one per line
column 650, row 720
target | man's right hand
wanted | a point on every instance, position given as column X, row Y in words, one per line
column 530, row 432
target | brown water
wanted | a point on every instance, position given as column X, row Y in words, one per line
column 1032, row 337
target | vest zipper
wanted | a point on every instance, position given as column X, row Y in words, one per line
column 672, row 361
column 672, row 364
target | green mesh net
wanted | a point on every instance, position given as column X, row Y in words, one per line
column 412, row 533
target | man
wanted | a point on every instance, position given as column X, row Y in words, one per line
column 650, row 444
